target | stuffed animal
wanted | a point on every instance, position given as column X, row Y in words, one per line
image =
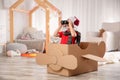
column 12, row 53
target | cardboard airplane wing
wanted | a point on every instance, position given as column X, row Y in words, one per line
column 93, row 57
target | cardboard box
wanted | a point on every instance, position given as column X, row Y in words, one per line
column 68, row 60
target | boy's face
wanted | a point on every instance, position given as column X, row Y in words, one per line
column 65, row 25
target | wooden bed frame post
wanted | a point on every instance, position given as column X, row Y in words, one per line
column 30, row 20
column 47, row 29
column 11, row 25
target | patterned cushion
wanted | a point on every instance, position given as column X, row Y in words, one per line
column 26, row 36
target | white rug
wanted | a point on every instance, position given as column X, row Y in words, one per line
column 111, row 57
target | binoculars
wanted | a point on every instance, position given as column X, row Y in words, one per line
column 64, row 22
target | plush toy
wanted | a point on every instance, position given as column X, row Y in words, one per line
column 12, row 53
column 30, row 53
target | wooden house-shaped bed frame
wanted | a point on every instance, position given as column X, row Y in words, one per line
column 45, row 4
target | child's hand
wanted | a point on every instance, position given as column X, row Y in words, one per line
column 60, row 26
column 70, row 23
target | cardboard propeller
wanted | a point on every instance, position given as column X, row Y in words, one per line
column 67, row 61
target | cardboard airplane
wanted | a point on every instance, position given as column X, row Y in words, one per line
column 68, row 60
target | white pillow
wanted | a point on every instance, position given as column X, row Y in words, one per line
column 38, row 35
column 29, row 30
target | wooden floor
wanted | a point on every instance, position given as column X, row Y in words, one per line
column 21, row 68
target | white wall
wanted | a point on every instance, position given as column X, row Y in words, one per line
column 3, row 24
column 39, row 19
column 92, row 13
column 20, row 22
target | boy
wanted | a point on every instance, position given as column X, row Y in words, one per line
column 69, row 36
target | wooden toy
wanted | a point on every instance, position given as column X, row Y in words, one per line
column 32, row 55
